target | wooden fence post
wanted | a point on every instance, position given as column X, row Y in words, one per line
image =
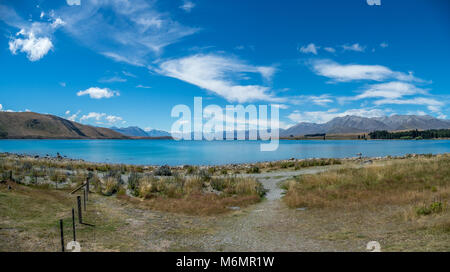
column 84, row 198
column 61, row 226
column 80, row 216
column 87, row 190
column 73, row 225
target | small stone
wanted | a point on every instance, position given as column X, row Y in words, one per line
column 301, row 209
column 234, row 208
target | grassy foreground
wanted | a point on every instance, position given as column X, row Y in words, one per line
column 191, row 191
column 400, row 202
column 403, row 201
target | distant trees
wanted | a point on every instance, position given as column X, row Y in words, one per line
column 412, row 134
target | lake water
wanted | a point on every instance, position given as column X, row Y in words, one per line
column 158, row 152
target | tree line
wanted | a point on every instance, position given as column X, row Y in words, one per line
column 412, row 134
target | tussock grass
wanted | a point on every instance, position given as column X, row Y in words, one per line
column 200, row 204
column 195, row 194
column 413, row 180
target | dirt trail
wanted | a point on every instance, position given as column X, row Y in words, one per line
column 266, row 226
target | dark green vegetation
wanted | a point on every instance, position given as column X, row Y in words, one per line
column 412, row 134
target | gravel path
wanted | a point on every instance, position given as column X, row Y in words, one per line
column 266, row 226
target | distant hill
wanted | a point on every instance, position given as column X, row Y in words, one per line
column 357, row 124
column 30, row 125
column 131, row 131
column 138, row 132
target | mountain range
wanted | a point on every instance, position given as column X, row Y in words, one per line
column 357, row 124
column 30, row 125
column 138, row 132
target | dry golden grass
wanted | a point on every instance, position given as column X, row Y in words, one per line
column 191, row 195
column 195, row 204
column 415, row 180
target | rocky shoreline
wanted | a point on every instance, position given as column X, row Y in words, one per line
column 358, row 157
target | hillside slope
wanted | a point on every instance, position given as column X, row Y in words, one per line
column 138, row 132
column 30, row 125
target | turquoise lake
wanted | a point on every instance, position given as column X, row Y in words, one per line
column 158, row 152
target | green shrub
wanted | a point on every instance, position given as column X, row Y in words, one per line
column 163, row 171
column 253, row 170
column 435, row 207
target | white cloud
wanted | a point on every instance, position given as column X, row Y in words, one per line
column 34, row 47
column 42, row 15
column 101, row 118
column 350, row 72
column 72, row 117
column 384, row 45
column 126, row 31
column 58, row 22
column 1, row 107
column 93, row 115
column 143, row 86
column 390, row 90
column 330, row 49
column 321, row 100
column 281, row 106
column 128, row 74
column 310, row 48
column 433, row 104
column 98, row 93
column 112, row 79
column 219, row 74
column 187, row 6
column 73, row 2
column 325, row 116
column 113, row 119
column 354, row 47
column 63, row 84
column 419, row 112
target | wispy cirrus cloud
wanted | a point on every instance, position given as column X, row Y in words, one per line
column 98, row 93
column 320, row 100
column 398, row 93
column 112, row 79
column 136, row 33
column 143, row 86
column 353, row 72
column 431, row 103
column 390, row 90
column 220, row 75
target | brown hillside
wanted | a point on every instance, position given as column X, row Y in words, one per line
column 30, row 125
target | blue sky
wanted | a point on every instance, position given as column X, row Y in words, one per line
column 126, row 63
